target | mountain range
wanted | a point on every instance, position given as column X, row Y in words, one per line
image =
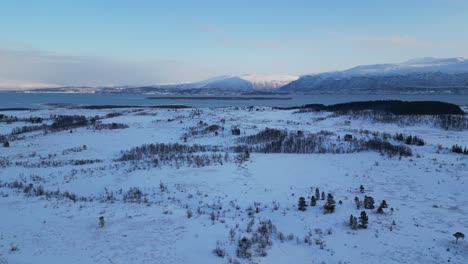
column 422, row 75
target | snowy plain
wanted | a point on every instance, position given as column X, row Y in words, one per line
column 187, row 211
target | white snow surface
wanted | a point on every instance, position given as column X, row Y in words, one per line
column 427, row 191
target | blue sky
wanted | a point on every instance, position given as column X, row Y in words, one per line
column 140, row 42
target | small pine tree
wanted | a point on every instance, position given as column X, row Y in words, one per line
column 363, row 220
column 323, row 195
column 358, row 203
column 101, row 221
column 354, row 224
column 6, row 144
column 330, row 205
column 361, row 188
column 313, row 201
column 380, row 210
column 351, row 217
column 383, row 204
column 409, row 140
column 317, row 194
column 368, row 202
column 302, row 205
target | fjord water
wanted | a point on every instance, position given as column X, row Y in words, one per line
column 45, row 100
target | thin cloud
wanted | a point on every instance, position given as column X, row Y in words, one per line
column 31, row 67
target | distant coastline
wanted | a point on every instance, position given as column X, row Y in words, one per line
column 231, row 98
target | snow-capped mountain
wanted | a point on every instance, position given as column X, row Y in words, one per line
column 450, row 65
column 267, row 82
column 252, row 82
column 416, row 73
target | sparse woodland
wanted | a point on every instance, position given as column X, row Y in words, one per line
column 238, row 185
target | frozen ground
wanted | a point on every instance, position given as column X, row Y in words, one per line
column 186, row 210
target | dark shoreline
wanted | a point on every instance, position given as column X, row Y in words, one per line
column 396, row 107
column 16, row 109
column 221, row 98
column 97, row 107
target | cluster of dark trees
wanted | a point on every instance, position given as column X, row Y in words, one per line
column 369, row 203
column 459, row 149
column 31, row 190
column 60, row 122
column 387, row 148
column 65, row 122
column 394, row 107
column 159, row 149
column 400, row 107
column 45, row 163
column 155, row 155
column 74, row 150
column 363, row 221
column 235, row 131
column 266, row 135
column 280, row 141
column 409, row 139
column 453, row 122
column 328, row 207
column 203, row 129
column 101, row 126
column 11, row 119
column 133, row 195
column 259, row 243
column 27, row 129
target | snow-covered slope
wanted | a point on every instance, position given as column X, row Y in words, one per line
column 418, row 65
column 423, row 72
column 267, row 82
column 177, row 207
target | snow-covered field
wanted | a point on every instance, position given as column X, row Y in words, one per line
column 179, row 210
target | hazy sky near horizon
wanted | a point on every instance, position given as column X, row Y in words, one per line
column 116, row 42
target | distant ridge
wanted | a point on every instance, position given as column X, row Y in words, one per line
column 416, row 76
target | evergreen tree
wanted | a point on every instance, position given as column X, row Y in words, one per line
column 409, row 140
column 361, row 188
column 354, row 224
column 363, row 220
column 358, row 203
column 330, row 205
column 368, row 202
column 317, row 194
column 323, row 195
column 302, row 205
column 383, row 204
column 313, row 201
column 380, row 210
column 101, row 221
